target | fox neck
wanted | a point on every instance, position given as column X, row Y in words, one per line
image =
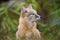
column 29, row 21
column 26, row 22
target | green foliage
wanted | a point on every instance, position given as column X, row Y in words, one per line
column 34, row 4
column 9, row 16
column 9, row 23
column 55, row 18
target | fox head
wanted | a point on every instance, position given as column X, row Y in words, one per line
column 29, row 13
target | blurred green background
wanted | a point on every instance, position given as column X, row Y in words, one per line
column 49, row 24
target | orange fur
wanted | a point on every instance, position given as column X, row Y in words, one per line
column 27, row 31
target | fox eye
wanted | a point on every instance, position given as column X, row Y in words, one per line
column 26, row 11
column 33, row 14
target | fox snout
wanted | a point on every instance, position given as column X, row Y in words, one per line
column 37, row 17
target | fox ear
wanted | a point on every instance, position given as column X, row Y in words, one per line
column 29, row 6
column 22, row 9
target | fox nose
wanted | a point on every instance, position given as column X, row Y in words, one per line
column 37, row 16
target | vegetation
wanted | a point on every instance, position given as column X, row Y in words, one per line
column 49, row 25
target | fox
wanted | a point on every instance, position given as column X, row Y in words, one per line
column 27, row 28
